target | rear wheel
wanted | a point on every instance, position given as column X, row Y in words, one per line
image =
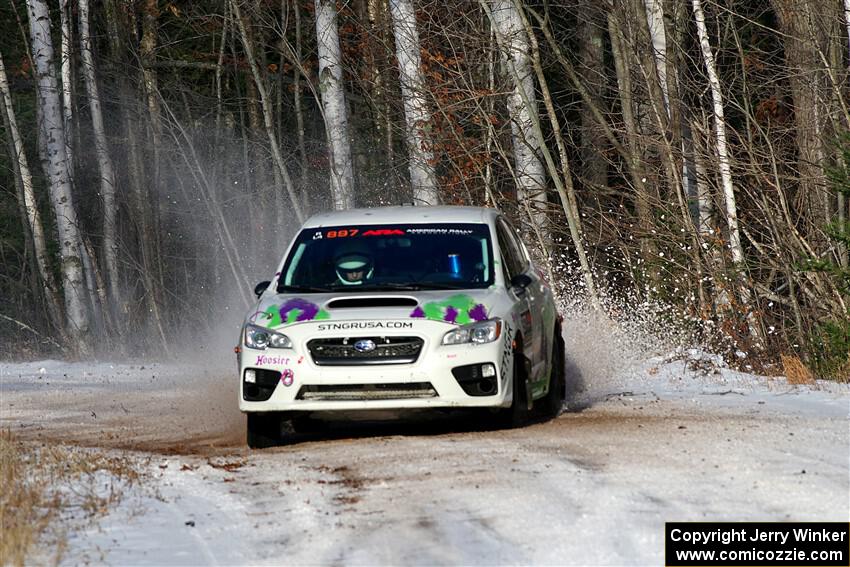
column 553, row 403
column 263, row 430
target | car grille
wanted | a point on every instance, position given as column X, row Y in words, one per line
column 364, row 392
column 388, row 350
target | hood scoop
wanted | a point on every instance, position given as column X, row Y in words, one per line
column 371, row 302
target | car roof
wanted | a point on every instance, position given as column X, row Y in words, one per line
column 403, row 215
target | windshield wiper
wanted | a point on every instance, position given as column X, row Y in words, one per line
column 301, row 289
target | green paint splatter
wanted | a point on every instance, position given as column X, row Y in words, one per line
column 294, row 316
column 460, row 309
column 271, row 316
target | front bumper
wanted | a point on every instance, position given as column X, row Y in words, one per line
column 441, row 377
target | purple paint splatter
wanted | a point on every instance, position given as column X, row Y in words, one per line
column 451, row 314
column 478, row 313
column 308, row 310
column 418, row 313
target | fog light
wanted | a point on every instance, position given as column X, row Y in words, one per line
column 488, row 371
column 250, row 377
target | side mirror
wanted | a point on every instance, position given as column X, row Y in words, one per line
column 261, row 287
column 519, row 282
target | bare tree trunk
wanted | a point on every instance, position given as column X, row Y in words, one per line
column 675, row 20
column 658, row 38
column 52, row 132
column 651, row 51
column 710, row 237
column 267, row 113
column 107, row 170
column 490, row 135
column 801, row 37
column 297, row 101
column 30, row 206
column 642, row 201
column 594, row 171
column 333, row 103
column 522, row 108
column 376, row 63
column 150, row 81
column 147, row 53
column 67, row 81
column 847, row 25
column 735, row 247
column 256, row 180
column 416, row 113
column 377, row 22
column 660, row 71
column 138, row 196
column 564, row 181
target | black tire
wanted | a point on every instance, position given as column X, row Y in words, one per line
column 517, row 414
column 553, row 402
column 263, row 430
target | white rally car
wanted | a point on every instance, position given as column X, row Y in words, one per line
column 396, row 308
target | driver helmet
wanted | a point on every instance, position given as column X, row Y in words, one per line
column 353, row 265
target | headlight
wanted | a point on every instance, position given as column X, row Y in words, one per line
column 476, row 333
column 261, row 338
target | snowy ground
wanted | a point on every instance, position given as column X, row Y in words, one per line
column 650, row 443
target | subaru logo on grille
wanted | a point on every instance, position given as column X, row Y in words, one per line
column 364, row 345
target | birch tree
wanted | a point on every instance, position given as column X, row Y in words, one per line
column 564, row 182
column 53, row 137
column 104, row 160
column 333, row 105
column 658, row 38
column 731, row 213
column 522, row 109
column 30, row 205
column 416, row 113
column 67, row 89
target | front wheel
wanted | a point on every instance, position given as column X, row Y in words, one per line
column 553, row 403
column 517, row 414
column 263, row 430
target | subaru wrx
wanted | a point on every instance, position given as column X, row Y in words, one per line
column 400, row 308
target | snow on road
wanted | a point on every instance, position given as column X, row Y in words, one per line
column 651, row 444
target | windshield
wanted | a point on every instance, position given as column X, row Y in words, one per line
column 389, row 257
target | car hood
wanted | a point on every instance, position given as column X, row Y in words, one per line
column 453, row 307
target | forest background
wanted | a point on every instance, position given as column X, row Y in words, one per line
column 686, row 158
